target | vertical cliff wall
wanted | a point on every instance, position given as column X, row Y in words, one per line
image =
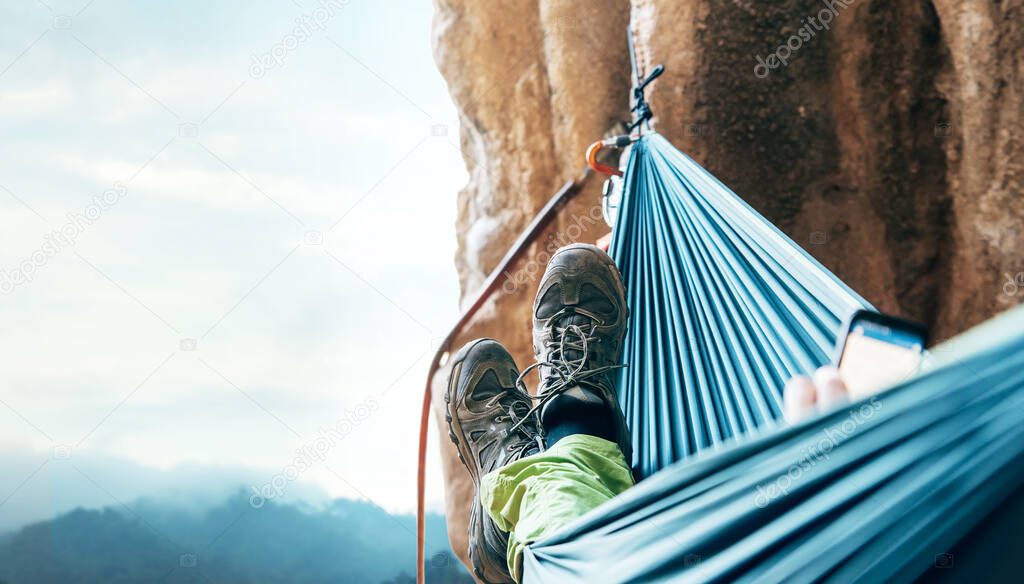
column 885, row 137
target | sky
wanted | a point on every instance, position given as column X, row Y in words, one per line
column 226, row 242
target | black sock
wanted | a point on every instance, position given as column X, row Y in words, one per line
column 566, row 415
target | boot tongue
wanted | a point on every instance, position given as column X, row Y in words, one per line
column 570, row 320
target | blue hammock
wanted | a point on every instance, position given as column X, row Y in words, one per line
column 724, row 309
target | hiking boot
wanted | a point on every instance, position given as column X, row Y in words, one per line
column 484, row 408
column 579, row 322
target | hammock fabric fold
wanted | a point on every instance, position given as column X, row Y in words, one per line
column 724, row 309
column 872, row 492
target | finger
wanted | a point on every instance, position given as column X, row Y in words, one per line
column 830, row 387
column 798, row 399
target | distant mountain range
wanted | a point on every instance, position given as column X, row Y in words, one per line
column 230, row 542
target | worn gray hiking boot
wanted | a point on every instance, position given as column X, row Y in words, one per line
column 579, row 322
column 484, row 408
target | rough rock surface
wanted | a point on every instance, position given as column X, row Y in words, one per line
column 889, row 144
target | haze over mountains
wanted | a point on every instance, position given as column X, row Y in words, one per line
column 104, row 520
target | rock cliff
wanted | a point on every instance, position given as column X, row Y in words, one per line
column 885, row 137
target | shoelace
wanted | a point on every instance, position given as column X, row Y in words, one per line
column 569, row 372
column 510, row 414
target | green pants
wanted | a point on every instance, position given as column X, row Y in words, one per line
column 537, row 495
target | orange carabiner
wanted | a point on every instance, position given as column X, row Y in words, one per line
column 619, row 142
column 594, row 164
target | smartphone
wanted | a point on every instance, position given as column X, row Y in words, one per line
column 876, row 351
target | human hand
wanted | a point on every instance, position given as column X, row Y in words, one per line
column 804, row 396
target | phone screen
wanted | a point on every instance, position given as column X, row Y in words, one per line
column 876, row 355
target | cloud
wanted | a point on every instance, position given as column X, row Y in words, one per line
column 47, row 98
column 193, row 242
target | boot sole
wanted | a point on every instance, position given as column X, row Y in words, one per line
column 459, row 439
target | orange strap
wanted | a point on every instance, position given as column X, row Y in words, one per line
column 568, row 192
